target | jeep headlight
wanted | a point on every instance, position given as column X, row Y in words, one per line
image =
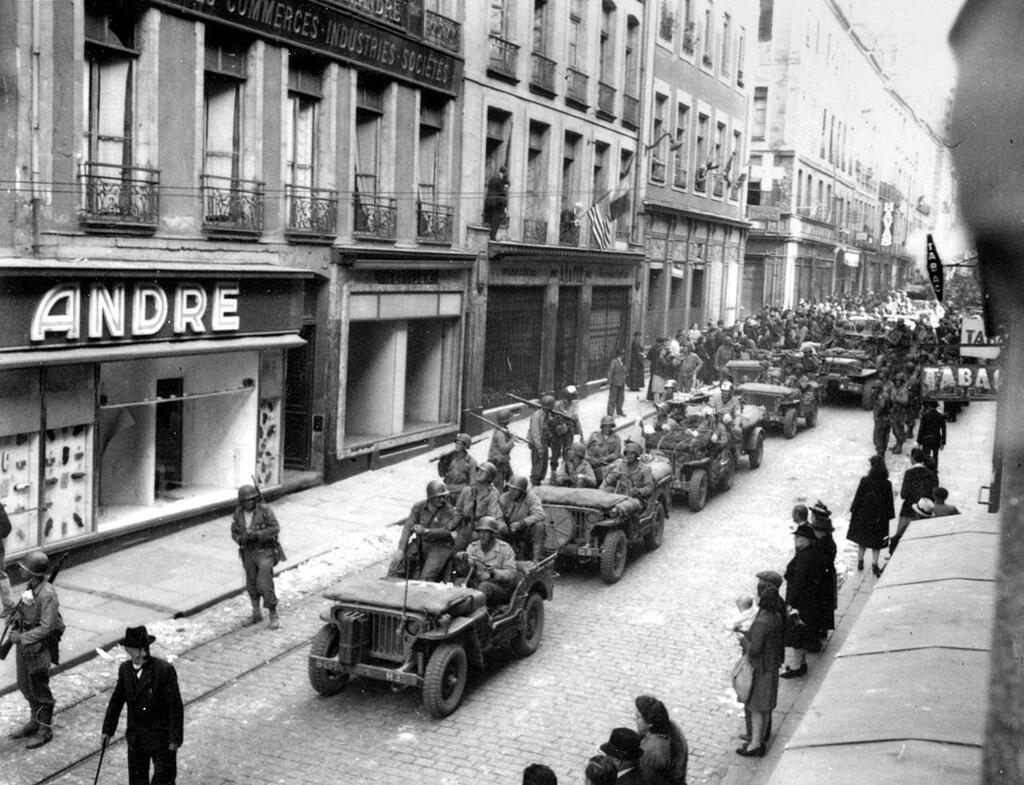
column 414, row 626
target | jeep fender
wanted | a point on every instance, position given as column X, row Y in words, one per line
column 457, row 627
column 751, row 441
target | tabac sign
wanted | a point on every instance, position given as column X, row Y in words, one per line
column 961, row 382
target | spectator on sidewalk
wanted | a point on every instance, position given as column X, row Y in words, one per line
column 870, row 513
column 539, row 774
column 155, row 730
column 500, row 450
column 805, row 596
column 763, row 647
column 538, row 438
column 623, row 747
column 688, row 368
column 800, row 514
column 941, row 508
column 918, row 482
column 746, row 611
column 6, row 595
column 635, row 377
column 601, row 770
column 931, row 433
column 616, row 384
column 664, row 752
column 821, row 523
column 255, row 530
column 36, row 628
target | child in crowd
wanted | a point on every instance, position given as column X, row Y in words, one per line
column 740, row 621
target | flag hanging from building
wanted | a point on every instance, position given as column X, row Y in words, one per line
column 618, row 205
column 934, row 265
column 600, row 226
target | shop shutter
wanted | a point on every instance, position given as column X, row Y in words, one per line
column 512, row 348
column 609, row 328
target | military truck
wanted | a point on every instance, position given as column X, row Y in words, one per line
column 783, row 404
column 849, row 372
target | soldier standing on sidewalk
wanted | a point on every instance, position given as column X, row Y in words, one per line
column 36, row 628
column 538, row 438
column 500, row 451
column 255, row 528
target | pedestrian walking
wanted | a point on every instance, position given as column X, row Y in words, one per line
column 623, row 747
column 616, row 384
column 635, row 377
column 870, row 512
column 255, row 530
column 762, row 645
column 931, row 433
column 664, row 752
column 881, row 408
column 899, row 412
column 918, row 482
column 6, row 593
column 500, row 450
column 35, row 630
column 148, row 685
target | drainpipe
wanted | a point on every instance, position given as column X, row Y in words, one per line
column 34, row 126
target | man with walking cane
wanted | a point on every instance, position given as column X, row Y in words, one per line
column 149, row 685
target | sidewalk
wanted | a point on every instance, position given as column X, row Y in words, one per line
column 184, row 572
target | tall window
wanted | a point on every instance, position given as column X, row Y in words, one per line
column 732, row 171
column 666, row 19
column 760, row 117
column 570, row 170
column 540, row 27
column 720, row 146
column 499, row 135
column 709, row 34
column 632, row 53
column 300, row 124
column 723, row 65
column 499, row 18
column 702, row 152
column 108, row 87
column 659, row 138
column 576, row 35
column 599, row 181
column 606, row 43
column 537, row 167
column 681, row 146
column 431, row 161
column 741, row 58
column 223, row 85
column 764, row 21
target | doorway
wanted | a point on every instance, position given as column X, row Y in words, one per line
column 298, row 398
column 169, row 414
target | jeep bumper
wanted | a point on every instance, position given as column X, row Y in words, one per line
column 378, row 672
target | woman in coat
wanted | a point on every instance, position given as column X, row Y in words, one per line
column 870, row 513
column 664, row 753
column 763, row 646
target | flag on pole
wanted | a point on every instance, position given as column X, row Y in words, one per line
column 600, row 226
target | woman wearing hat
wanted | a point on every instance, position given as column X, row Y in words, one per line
column 806, row 595
column 821, row 522
column 870, row 513
column 665, row 753
column 763, row 646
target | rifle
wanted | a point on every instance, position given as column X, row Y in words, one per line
column 495, row 426
column 565, row 416
column 280, row 554
column 5, row 641
column 256, row 485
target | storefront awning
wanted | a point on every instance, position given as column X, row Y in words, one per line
column 138, row 350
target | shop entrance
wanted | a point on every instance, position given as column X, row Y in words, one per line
column 298, row 401
column 566, row 342
column 169, row 414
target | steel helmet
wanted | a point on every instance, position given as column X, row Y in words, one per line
column 570, row 391
column 486, row 523
column 436, row 488
column 36, row 563
column 632, row 447
column 607, row 420
column 504, row 417
column 670, row 383
column 547, row 402
column 247, row 492
column 518, row 482
column 578, row 448
column 489, row 469
column 464, row 439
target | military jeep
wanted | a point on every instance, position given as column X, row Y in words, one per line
column 783, row 404
column 849, row 372
column 592, row 525
column 424, row 634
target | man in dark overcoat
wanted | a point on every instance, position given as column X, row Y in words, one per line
column 149, row 686
column 931, row 433
column 805, row 594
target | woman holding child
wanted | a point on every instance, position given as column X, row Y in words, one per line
column 762, row 645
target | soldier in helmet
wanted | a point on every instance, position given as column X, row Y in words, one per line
column 255, row 529
column 457, row 467
column 476, row 501
column 629, row 476
column 492, row 561
column 575, row 472
column 435, row 524
column 565, row 426
column 538, row 438
column 523, row 516
column 604, row 447
column 500, row 451
column 36, row 628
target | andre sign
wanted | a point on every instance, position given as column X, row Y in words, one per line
column 117, row 310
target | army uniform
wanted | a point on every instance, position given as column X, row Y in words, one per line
column 524, row 519
column 475, row 501
column 500, row 454
column 564, row 428
column 636, row 480
column 436, row 542
column 256, row 531
column 456, row 469
column 575, row 471
column 602, row 451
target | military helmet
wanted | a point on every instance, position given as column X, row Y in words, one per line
column 464, row 439
column 247, row 492
column 518, row 482
column 36, row 563
column 504, row 417
column 486, row 523
column 489, row 469
column 571, row 392
column 436, row 488
column 670, row 383
column 632, row 447
column 578, row 448
column 607, row 420
column 547, row 402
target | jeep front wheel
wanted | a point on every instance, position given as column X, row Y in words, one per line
column 756, row 455
column 445, row 679
column 527, row 639
column 613, row 556
column 811, row 417
column 653, row 538
column 789, row 423
column 326, row 644
column 697, row 493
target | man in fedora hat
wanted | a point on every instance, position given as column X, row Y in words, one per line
column 35, row 629
column 623, row 746
column 255, row 528
column 821, row 522
column 149, row 685
column 806, row 596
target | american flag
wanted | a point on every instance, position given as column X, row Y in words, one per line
column 600, row 226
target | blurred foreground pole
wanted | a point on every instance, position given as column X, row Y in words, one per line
column 987, row 135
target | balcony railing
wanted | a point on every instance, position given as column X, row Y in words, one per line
column 502, row 58
column 375, row 216
column 535, row 230
column 124, row 198
column 542, row 73
column 232, row 206
column 631, row 111
column 434, row 222
column 576, row 87
column 312, row 212
column 440, row 30
column 657, row 171
column 569, row 232
column 606, row 101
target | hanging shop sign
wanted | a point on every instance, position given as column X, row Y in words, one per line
column 338, row 33
column 961, row 382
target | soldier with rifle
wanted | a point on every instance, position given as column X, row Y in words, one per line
column 434, row 524
column 500, row 451
column 255, row 529
column 35, row 628
column 542, row 433
column 492, row 563
column 457, row 466
column 476, row 501
column 565, row 426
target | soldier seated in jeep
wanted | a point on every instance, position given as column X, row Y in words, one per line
column 434, row 524
column 492, row 563
column 629, row 476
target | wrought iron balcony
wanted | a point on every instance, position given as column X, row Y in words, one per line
column 312, row 212
column 569, row 232
column 606, row 101
column 434, row 222
column 121, row 198
column 376, row 216
column 232, row 206
column 535, row 230
column 576, row 87
column 631, row 111
column 440, row 30
column 657, row 170
column 503, row 58
column 542, row 73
